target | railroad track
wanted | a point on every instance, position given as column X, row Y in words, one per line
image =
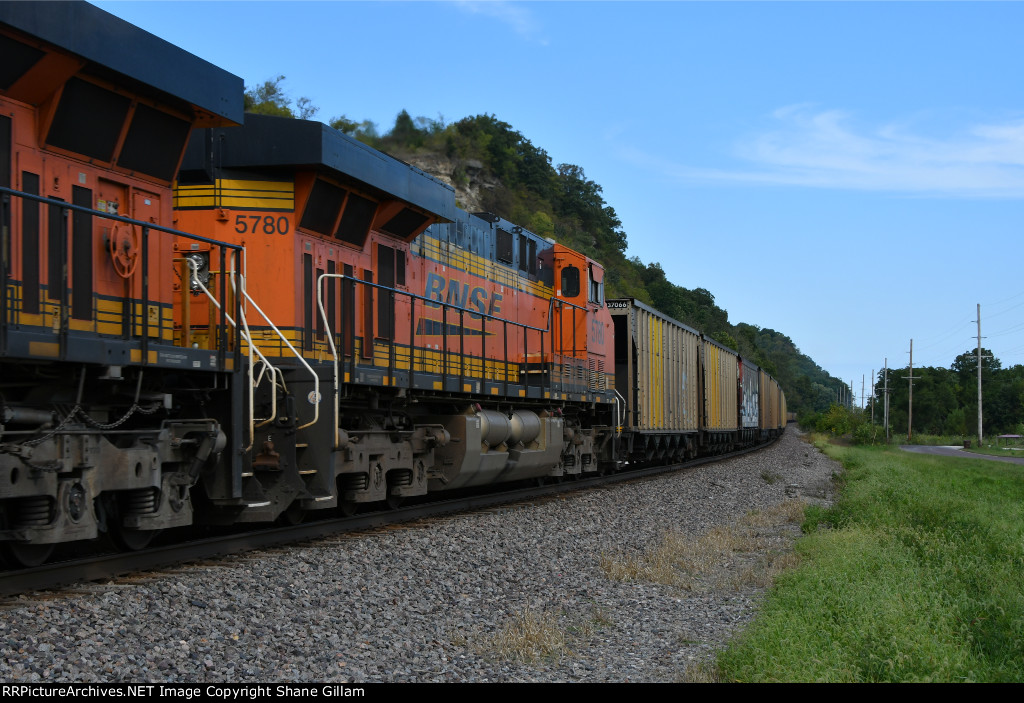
column 108, row 566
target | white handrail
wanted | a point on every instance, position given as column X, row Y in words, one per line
column 620, row 411
column 334, row 351
column 247, row 298
column 245, row 334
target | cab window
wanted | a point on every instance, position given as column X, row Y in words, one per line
column 570, row 282
column 595, row 290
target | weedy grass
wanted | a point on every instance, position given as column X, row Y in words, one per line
column 917, row 576
column 709, row 560
column 528, row 637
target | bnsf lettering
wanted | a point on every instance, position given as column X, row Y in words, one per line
column 461, row 295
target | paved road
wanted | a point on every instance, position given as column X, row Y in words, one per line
column 958, row 451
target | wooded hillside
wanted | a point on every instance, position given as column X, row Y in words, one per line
column 496, row 169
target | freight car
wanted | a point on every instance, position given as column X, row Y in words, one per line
column 334, row 331
column 684, row 393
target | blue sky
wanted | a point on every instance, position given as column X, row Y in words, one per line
column 849, row 174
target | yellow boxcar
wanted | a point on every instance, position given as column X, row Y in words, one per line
column 721, row 377
column 657, row 368
column 773, row 405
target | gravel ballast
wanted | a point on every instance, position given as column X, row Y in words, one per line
column 444, row 600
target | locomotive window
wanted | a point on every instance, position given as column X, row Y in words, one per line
column 404, row 223
column 504, row 247
column 400, row 268
column 531, row 255
column 154, row 143
column 523, row 265
column 596, row 290
column 322, row 207
column 356, row 220
column 570, row 282
column 88, row 120
column 18, row 59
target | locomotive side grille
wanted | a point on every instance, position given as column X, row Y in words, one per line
column 598, row 381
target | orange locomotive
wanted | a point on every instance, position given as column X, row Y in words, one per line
column 455, row 349
column 103, row 427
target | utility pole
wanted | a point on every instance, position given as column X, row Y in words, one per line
column 872, row 396
column 910, row 402
column 885, row 403
column 862, row 391
column 979, row 374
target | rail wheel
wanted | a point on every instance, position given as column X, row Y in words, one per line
column 25, row 554
column 129, row 539
column 114, row 507
column 394, row 501
column 347, row 508
column 37, row 510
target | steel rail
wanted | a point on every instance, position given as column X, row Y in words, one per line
column 104, row 567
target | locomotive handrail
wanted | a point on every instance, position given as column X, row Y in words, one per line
column 276, row 373
column 146, row 228
column 252, row 348
column 413, row 297
column 246, row 335
column 620, row 409
column 119, row 218
column 316, row 379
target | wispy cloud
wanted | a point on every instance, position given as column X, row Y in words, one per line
column 515, row 15
column 825, row 149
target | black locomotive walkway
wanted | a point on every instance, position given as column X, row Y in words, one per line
column 957, row 451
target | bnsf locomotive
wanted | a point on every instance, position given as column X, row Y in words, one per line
column 216, row 318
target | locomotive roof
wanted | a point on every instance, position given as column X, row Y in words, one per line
column 281, row 142
column 113, row 44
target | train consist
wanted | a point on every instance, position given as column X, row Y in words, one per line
column 210, row 317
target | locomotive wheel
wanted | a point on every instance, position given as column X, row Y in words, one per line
column 25, row 554
column 129, row 539
column 394, row 502
column 123, row 539
column 347, row 508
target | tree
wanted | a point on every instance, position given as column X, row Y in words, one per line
column 269, row 98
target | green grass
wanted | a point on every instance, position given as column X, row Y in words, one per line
column 916, row 574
